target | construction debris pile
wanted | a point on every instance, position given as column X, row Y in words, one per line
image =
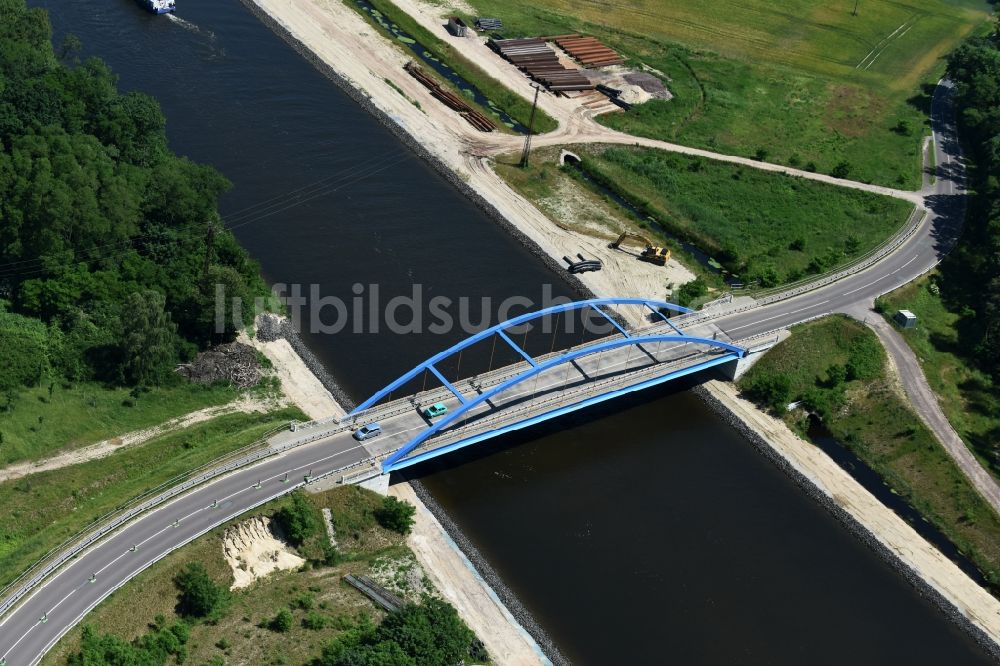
column 450, row 99
column 234, row 363
column 588, row 51
column 537, row 59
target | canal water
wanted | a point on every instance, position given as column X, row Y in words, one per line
column 643, row 531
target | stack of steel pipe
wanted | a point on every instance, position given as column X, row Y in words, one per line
column 541, row 63
column 588, row 51
column 450, row 99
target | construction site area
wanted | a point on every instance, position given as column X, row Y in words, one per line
column 568, row 64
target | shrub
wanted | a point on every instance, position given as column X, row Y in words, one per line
column 200, row 597
column 429, row 634
column 842, row 170
column 836, row 375
column 282, row 622
column 690, row 291
column 771, row 390
column 298, row 520
column 395, row 515
column 314, row 621
column 866, row 358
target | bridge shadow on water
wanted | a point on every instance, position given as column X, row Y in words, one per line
column 512, row 440
column 644, row 519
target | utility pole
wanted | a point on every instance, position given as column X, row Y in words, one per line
column 209, row 247
column 531, row 128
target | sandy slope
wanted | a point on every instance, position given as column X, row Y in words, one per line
column 253, row 551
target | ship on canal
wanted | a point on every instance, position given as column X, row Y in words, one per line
column 159, row 6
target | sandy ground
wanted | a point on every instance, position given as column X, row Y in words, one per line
column 457, row 581
column 245, row 405
column 253, row 551
column 937, row 570
column 298, row 382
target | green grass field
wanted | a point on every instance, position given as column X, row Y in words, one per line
column 760, row 225
column 805, row 80
column 876, row 423
column 969, row 397
column 53, row 417
column 239, row 638
column 44, row 509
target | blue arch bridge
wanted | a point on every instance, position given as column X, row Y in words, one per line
column 649, row 343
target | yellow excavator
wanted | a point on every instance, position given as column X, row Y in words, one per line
column 651, row 253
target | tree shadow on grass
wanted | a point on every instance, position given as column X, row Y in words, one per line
column 922, row 100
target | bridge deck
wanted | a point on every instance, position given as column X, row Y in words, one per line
column 566, row 386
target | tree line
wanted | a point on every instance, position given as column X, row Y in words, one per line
column 110, row 244
column 971, row 275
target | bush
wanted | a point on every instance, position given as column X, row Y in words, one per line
column 866, row 359
column 298, row 520
column 772, row 390
column 429, row 634
column 152, row 649
column 690, row 291
column 395, row 515
column 200, row 597
column 303, row 602
column 314, row 621
column 25, row 351
column 282, row 622
column 331, row 556
column 842, row 170
column 836, row 375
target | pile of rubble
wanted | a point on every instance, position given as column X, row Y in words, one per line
column 233, row 363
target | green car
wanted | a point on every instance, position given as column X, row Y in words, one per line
column 437, row 409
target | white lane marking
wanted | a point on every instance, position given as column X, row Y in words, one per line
column 72, row 592
column 783, row 314
column 865, row 285
column 11, row 649
column 912, row 259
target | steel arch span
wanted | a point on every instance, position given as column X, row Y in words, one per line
column 593, row 303
column 619, row 338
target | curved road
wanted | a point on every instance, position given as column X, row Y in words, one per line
column 61, row 602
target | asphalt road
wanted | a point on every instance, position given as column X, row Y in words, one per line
column 62, row 601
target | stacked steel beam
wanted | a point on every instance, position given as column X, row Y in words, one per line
column 541, row 63
column 588, row 51
column 450, row 99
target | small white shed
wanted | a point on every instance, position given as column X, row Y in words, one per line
column 906, row 319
